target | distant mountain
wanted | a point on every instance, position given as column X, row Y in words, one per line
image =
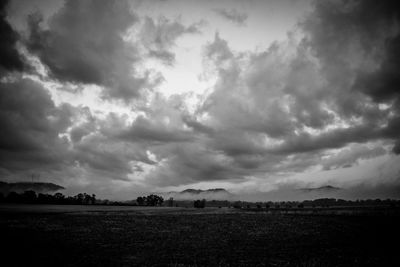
column 191, row 191
column 322, row 189
column 21, row 187
column 199, row 191
column 192, row 194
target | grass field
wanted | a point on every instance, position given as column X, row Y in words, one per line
column 134, row 236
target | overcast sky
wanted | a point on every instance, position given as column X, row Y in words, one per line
column 118, row 98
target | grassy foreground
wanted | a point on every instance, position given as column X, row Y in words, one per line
column 188, row 237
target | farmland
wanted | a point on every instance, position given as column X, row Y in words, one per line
column 52, row 235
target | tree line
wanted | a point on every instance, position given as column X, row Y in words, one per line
column 31, row 197
column 150, row 200
column 320, row 202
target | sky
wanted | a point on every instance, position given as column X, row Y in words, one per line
column 121, row 98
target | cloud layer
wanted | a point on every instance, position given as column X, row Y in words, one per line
column 10, row 57
column 324, row 98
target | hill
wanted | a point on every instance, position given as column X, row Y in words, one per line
column 192, row 194
column 326, row 188
column 21, row 187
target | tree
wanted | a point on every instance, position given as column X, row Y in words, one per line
column 200, row 204
column 79, row 198
column 170, row 202
column 87, row 199
column 29, row 196
column 141, row 200
column 13, row 197
column 59, row 198
column 154, row 200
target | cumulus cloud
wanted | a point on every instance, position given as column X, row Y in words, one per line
column 11, row 60
column 278, row 111
column 218, row 50
column 143, row 129
column 38, row 136
column 158, row 37
column 84, row 43
column 365, row 35
column 324, row 98
column 307, row 98
column 232, row 15
column 191, row 163
column 350, row 155
column 301, row 97
column 356, row 44
column 31, row 127
column 162, row 122
column 109, row 158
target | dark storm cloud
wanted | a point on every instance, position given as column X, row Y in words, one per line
column 357, row 43
column 229, row 144
column 98, row 148
column 315, row 96
column 84, row 43
column 114, row 147
column 325, row 101
column 111, row 158
column 159, row 37
column 143, row 129
column 162, row 123
column 337, row 138
column 350, row 155
column 346, row 28
column 384, row 83
column 237, row 143
column 188, row 163
column 196, row 125
column 77, row 132
column 279, row 112
column 248, row 98
column 396, row 148
column 34, row 137
column 31, row 125
column 232, row 15
column 10, row 59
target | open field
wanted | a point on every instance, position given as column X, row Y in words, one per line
column 53, row 235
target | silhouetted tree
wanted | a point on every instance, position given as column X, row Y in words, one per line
column 13, row 197
column 170, row 202
column 87, row 199
column 154, row 200
column 42, row 198
column 79, row 198
column 59, row 198
column 199, row 203
column 29, row 196
column 140, row 201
